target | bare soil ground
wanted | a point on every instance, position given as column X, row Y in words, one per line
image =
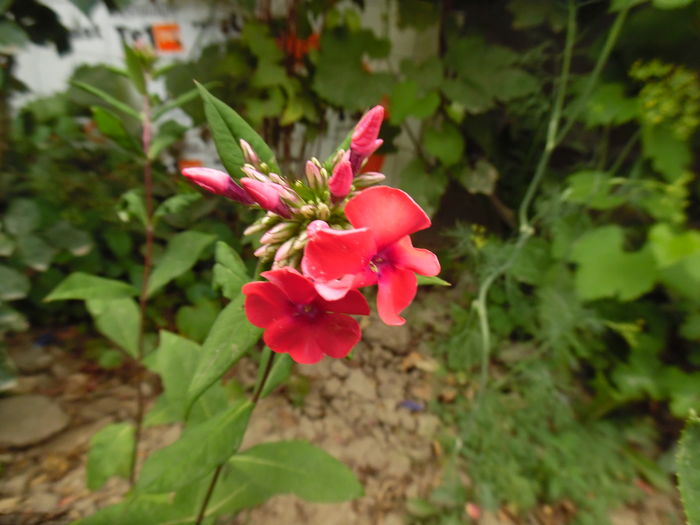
column 369, row 412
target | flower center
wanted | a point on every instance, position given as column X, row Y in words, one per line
column 308, row 311
column 376, row 263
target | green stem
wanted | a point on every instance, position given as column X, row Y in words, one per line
column 526, row 229
column 217, row 472
column 554, row 138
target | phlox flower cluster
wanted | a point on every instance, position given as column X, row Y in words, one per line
column 325, row 236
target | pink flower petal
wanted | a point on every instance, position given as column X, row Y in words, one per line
column 395, row 291
column 353, row 303
column 265, row 303
column 403, row 255
column 295, row 286
column 332, row 254
column 335, row 289
column 388, row 212
column 299, row 340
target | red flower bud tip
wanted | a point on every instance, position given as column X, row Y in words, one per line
column 341, row 181
column 217, row 182
column 267, row 195
column 313, row 175
column 364, row 138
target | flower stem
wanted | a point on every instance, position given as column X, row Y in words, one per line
column 217, row 472
column 147, row 267
column 554, row 138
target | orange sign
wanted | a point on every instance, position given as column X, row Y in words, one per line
column 166, row 38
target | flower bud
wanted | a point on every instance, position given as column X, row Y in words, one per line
column 364, row 138
column 284, row 250
column 261, row 224
column 265, row 251
column 218, row 182
column 313, row 175
column 279, row 233
column 365, row 180
column 251, row 172
column 323, row 212
column 267, row 195
column 341, row 181
column 249, row 154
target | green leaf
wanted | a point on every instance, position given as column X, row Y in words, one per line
column 671, row 4
column 83, row 286
column 131, row 204
column 230, row 274
column 134, row 68
column 196, row 320
column 7, row 245
column 118, row 320
column 181, row 254
column 228, row 340
column 446, row 143
column 670, row 247
column 593, row 189
column 35, row 252
column 669, row 155
column 406, row 101
column 65, row 236
column 14, row 284
column 227, row 128
column 425, row 187
column 481, row 178
column 619, row 5
column 531, row 13
column 175, row 360
column 12, row 34
column 299, row 468
column 22, row 217
column 12, row 320
column 176, row 204
column 607, row 104
column 426, row 281
column 606, row 270
column 109, row 99
column 112, row 126
column 281, row 369
column 110, row 454
column 341, row 77
column 688, row 467
column 198, row 451
column 168, row 133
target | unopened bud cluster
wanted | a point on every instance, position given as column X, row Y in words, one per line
column 293, row 203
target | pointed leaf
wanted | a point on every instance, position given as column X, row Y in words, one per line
column 134, row 68
column 109, row 99
column 299, row 468
column 118, row 320
column 228, row 127
column 22, row 217
column 230, row 274
column 183, row 99
column 110, row 454
column 84, row 286
column 228, row 340
column 198, row 451
column 35, row 252
column 112, row 126
column 181, row 254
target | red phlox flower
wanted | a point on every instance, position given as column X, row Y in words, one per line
column 217, row 182
column 378, row 250
column 298, row 321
